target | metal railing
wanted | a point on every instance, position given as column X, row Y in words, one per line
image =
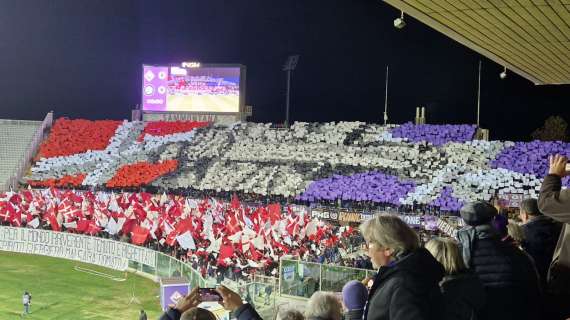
column 168, row 267
column 261, row 295
column 301, row 279
column 26, row 158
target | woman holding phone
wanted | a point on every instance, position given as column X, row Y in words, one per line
column 230, row 300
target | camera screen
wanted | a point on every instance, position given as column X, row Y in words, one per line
column 209, row 294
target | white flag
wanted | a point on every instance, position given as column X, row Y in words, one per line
column 153, row 229
column 113, row 205
column 167, row 228
column 235, row 238
column 311, row 228
column 34, row 223
column 70, row 225
column 253, row 264
column 112, row 227
column 247, row 221
column 163, row 199
column 215, row 245
column 186, row 241
column 248, row 232
column 258, row 243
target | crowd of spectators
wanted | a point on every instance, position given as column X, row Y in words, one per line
column 436, row 167
column 498, row 267
column 483, row 274
column 223, row 239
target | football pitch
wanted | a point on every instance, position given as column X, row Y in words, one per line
column 60, row 291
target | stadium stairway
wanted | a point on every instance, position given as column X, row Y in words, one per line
column 15, row 139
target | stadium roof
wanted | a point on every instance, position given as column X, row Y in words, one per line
column 531, row 38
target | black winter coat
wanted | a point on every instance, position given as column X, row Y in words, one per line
column 541, row 235
column 510, row 280
column 463, row 297
column 353, row 315
column 407, row 290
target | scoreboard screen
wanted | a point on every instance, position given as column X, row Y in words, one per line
column 191, row 87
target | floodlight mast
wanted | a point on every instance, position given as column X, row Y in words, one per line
column 288, row 67
column 386, row 98
column 479, row 96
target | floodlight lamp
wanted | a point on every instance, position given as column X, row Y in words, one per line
column 503, row 74
column 399, row 23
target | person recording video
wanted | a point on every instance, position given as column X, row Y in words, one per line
column 230, row 300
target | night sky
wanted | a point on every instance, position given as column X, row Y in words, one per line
column 83, row 59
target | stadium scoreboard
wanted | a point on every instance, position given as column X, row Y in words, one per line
column 192, row 90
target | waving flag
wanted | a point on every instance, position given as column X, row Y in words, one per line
column 139, row 235
column 186, row 241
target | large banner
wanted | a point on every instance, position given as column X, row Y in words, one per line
column 226, row 119
column 102, row 252
column 336, row 215
column 426, row 222
column 344, row 215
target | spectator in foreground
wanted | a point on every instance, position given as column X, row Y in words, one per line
column 198, row 314
column 406, row 286
column 290, row 314
column 516, row 232
column 541, row 234
column 501, row 224
column 354, row 297
column 463, row 292
column 234, row 303
column 323, row 306
column 231, row 301
column 186, row 303
column 555, row 203
column 507, row 273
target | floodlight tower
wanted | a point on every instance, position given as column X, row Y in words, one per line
column 386, row 98
column 479, row 96
column 288, row 67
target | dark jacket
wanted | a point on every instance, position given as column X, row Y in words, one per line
column 171, row 314
column 541, row 235
column 245, row 312
column 509, row 277
column 408, row 289
column 555, row 203
column 463, row 297
column 353, row 315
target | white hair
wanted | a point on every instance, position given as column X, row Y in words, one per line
column 389, row 231
column 324, row 306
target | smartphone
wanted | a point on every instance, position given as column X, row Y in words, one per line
column 209, row 294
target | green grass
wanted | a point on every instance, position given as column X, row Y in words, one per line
column 60, row 292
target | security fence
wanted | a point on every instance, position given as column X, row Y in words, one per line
column 168, row 267
column 301, row 279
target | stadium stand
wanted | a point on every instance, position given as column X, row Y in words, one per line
column 160, row 185
column 400, row 165
column 15, row 139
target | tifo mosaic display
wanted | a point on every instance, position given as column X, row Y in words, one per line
column 437, row 165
